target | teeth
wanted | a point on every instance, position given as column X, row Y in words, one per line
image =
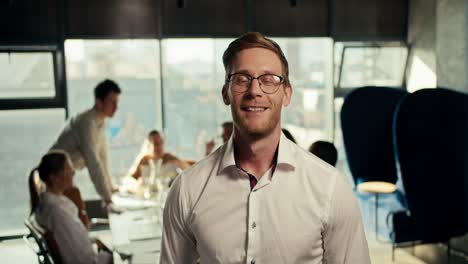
column 255, row 109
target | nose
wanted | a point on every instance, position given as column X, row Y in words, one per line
column 254, row 88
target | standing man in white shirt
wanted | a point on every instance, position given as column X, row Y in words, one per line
column 84, row 138
column 260, row 198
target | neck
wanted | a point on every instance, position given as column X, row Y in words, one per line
column 255, row 155
column 100, row 113
column 54, row 190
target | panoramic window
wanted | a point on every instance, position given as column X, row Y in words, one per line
column 309, row 117
column 193, row 75
column 134, row 65
column 27, row 75
column 32, row 129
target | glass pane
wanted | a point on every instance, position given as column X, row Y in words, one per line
column 193, row 107
column 193, row 69
column 309, row 117
column 342, row 163
column 337, row 53
column 26, row 75
column 373, row 66
column 134, row 65
column 32, row 130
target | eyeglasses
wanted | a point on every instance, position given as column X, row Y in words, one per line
column 269, row 83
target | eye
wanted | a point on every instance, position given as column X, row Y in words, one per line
column 270, row 79
column 240, row 78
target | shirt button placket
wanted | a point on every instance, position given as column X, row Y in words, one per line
column 252, row 235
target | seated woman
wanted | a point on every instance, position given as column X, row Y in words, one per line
column 157, row 156
column 59, row 215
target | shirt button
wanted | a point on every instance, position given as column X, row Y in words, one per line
column 254, row 225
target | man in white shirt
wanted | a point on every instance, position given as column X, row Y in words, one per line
column 260, row 198
column 84, row 138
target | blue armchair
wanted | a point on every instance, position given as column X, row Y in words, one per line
column 367, row 121
column 431, row 139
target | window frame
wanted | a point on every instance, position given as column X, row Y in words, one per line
column 342, row 92
column 57, row 101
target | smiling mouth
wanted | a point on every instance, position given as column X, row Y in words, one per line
column 254, row 109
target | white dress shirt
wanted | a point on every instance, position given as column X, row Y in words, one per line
column 304, row 212
column 59, row 215
column 84, row 139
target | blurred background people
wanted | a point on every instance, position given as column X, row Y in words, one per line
column 325, row 150
column 59, row 215
column 225, row 135
column 156, row 154
column 85, row 141
column 153, row 168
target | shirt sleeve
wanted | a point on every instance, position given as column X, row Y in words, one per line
column 178, row 243
column 105, row 162
column 344, row 238
column 88, row 134
column 72, row 238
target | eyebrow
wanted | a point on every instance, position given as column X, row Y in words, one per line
column 264, row 72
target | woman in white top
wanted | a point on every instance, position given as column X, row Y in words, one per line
column 59, row 215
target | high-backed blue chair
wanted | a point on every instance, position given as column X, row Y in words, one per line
column 367, row 125
column 431, row 139
column 366, row 122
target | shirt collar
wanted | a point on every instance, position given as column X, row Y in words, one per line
column 285, row 154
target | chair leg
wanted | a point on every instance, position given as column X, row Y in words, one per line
column 393, row 253
column 448, row 251
column 376, row 216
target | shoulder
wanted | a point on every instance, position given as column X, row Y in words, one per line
column 53, row 209
column 314, row 165
column 146, row 159
column 87, row 118
column 191, row 182
column 201, row 170
column 321, row 179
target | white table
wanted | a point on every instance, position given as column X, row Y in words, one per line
column 138, row 228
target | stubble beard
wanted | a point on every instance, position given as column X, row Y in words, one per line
column 258, row 131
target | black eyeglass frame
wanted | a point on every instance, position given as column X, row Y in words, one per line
column 251, row 78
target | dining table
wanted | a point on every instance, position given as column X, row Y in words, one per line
column 136, row 226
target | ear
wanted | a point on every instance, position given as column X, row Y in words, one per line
column 224, row 93
column 287, row 95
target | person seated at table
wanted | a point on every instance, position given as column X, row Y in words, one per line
column 157, row 155
column 325, row 150
column 228, row 127
column 59, row 215
column 74, row 195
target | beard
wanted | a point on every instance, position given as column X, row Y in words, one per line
column 256, row 129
